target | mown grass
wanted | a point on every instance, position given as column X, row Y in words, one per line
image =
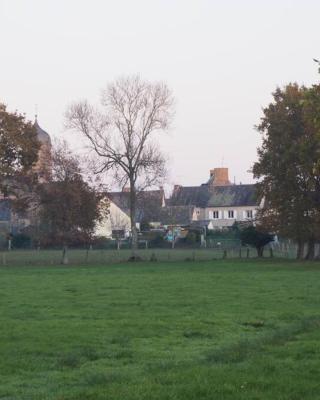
column 243, row 329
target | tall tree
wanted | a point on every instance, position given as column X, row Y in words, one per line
column 286, row 166
column 19, row 148
column 122, row 134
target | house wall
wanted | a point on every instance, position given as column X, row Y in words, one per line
column 240, row 214
column 116, row 219
column 199, row 214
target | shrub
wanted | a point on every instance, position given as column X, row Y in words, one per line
column 21, row 241
column 191, row 238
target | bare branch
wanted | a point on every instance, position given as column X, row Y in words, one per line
column 122, row 134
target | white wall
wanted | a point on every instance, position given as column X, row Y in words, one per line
column 116, row 219
column 240, row 214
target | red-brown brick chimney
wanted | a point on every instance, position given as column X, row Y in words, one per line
column 219, row 177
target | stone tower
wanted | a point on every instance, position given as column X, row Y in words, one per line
column 43, row 166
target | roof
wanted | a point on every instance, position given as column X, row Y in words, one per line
column 233, row 195
column 176, row 215
column 197, row 196
column 215, row 196
column 42, row 135
column 200, row 223
column 149, row 203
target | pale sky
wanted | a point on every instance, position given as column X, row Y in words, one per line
column 222, row 59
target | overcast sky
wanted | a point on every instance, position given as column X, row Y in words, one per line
column 222, row 60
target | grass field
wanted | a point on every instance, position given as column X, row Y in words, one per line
column 229, row 329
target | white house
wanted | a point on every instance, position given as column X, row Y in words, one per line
column 218, row 201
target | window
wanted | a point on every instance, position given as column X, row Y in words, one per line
column 249, row 214
column 213, row 214
column 230, row 214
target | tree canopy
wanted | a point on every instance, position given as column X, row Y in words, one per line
column 288, row 164
column 69, row 206
column 19, row 148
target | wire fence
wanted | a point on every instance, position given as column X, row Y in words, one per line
column 112, row 256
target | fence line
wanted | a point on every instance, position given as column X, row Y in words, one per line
column 102, row 256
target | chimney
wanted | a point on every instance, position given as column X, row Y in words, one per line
column 176, row 188
column 126, row 189
column 219, row 177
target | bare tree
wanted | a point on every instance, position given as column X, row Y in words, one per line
column 122, row 134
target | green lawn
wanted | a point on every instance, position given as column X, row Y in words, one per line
column 230, row 329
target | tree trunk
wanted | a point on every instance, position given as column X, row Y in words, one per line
column 311, row 249
column 300, row 249
column 134, row 235
column 260, row 251
column 64, row 259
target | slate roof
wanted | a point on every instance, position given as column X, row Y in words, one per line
column 233, row 195
column 197, row 196
column 176, row 215
column 149, row 204
column 42, row 135
column 215, row 196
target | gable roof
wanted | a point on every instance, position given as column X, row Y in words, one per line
column 215, row 196
column 149, row 203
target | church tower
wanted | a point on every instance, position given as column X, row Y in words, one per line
column 43, row 166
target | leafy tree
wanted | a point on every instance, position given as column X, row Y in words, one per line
column 311, row 158
column 69, row 206
column 122, row 135
column 287, row 166
column 255, row 237
column 18, row 152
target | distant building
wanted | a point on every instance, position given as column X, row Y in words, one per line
column 216, row 204
column 218, row 200
column 149, row 206
column 43, row 166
